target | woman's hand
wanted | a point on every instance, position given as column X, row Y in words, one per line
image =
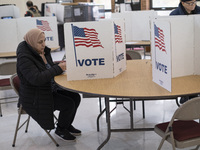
column 62, row 65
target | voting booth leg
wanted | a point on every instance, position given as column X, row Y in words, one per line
column 107, row 105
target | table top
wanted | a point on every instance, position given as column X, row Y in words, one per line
column 134, row 82
column 7, row 54
column 13, row 54
column 140, row 43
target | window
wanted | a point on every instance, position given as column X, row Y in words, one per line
column 164, row 4
column 106, row 3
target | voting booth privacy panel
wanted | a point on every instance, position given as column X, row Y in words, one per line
column 95, row 50
column 175, row 48
column 13, row 31
column 9, row 11
column 137, row 24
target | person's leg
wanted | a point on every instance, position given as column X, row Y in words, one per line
column 75, row 97
column 186, row 98
column 67, row 109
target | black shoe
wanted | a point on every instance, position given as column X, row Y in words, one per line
column 74, row 131
column 64, row 135
column 184, row 99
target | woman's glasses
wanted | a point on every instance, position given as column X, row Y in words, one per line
column 191, row 3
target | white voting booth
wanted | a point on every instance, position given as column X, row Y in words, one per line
column 13, row 30
column 95, row 50
column 175, row 48
column 137, row 24
column 9, row 11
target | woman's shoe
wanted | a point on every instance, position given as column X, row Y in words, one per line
column 64, row 135
column 74, row 131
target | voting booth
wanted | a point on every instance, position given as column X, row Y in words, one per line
column 9, row 12
column 47, row 24
column 95, row 50
column 137, row 24
column 13, row 30
column 175, row 48
column 76, row 12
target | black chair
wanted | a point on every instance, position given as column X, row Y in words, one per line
column 15, row 83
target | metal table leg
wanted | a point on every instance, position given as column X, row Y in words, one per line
column 107, row 105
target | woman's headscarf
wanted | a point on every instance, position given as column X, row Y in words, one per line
column 31, row 37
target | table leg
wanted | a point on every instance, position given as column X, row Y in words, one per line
column 107, row 105
column 131, row 113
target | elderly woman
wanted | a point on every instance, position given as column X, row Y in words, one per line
column 39, row 94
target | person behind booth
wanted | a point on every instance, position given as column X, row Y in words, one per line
column 39, row 95
column 32, row 12
column 35, row 7
column 186, row 7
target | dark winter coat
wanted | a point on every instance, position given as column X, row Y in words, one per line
column 33, row 13
column 180, row 10
column 35, row 92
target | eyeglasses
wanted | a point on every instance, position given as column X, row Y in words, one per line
column 191, row 3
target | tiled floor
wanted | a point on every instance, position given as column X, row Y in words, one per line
column 36, row 138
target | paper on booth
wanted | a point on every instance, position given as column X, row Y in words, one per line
column 91, row 50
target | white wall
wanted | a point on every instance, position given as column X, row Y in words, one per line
column 21, row 4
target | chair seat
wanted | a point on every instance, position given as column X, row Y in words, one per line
column 183, row 130
column 5, row 82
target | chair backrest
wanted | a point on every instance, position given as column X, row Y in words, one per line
column 8, row 68
column 130, row 55
column 15, row 82
column 189, row 110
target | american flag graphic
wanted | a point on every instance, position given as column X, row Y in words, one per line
column 43, row 25
column 118, row 34
column 159, row 38
column 86, row 37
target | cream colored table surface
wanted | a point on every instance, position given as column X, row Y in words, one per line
column 135, row 82
column 7, row 54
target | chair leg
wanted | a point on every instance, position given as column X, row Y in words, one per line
column 28, row 120
column 197, row 147
column 161, row 143
column 17, row 127
column 48, row 133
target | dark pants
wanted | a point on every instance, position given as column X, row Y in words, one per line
column 67, row 103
